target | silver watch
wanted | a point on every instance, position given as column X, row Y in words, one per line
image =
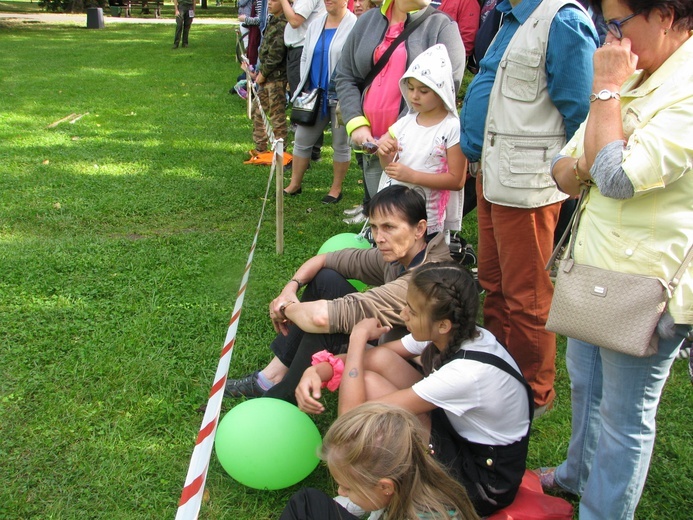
column 604, row 95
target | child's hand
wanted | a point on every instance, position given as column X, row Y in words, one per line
column 399, row 172
column 387, row 146
column 308, row 392
column 370, row 329
column 259, row 78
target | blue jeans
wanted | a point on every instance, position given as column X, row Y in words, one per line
column 614, row 404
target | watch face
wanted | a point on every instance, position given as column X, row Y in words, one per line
column 604, row 95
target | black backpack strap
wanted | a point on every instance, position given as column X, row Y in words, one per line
column 500, row 364
column 380, row 64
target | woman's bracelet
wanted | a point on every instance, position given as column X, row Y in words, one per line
column 282, row 309
column 298, row 282
column 337, row 368
column 588, row 182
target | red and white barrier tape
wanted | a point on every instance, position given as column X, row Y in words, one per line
column 191, row 498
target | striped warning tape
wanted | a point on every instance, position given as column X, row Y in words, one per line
column 191, row 497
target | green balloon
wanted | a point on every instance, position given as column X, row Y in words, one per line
column 267, row 444
column 346, row 241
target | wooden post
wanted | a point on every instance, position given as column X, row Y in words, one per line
column 279, row 189
column 249, row 90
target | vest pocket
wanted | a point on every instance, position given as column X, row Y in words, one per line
column 525, row 162
column 521, row 79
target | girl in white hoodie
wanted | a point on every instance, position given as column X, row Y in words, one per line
column 422, row 148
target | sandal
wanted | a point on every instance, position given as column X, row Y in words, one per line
column 547, row 477
column 246, row 386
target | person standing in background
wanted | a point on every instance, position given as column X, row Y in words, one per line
column 466, row 15
column 185, row 12
column 271, row 80
column 299, row 15
column 524, row 104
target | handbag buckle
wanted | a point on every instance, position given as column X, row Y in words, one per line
column 599, row 290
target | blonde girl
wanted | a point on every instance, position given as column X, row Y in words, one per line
column 380, row 461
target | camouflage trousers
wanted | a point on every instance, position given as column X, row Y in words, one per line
column 272, row 97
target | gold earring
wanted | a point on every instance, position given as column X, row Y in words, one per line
column 666, row 31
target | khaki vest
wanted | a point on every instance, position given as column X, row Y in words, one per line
column 524, row 131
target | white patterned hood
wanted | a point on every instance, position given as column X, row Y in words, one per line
column 433, row 68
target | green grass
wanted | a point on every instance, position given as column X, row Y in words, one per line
column 123, row 238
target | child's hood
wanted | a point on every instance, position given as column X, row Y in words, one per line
column 433, row 68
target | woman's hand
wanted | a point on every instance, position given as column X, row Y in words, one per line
column 241, row 18
column 614, row 63
column 276, row 314
column 308, row 392
column 367, row 330
column 361, row 135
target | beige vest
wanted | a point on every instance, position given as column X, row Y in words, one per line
column 524, row 130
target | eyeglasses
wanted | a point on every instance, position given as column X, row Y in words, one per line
column 614, row 26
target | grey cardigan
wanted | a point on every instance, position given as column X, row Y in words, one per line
column 369, row 31
column 313, row 35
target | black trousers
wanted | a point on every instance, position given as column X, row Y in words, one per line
column 183, row 23
column 313, row 504
column 297, row 348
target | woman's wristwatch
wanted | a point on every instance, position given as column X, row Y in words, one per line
column 604, row 95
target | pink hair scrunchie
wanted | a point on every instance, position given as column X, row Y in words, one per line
column 337, row 368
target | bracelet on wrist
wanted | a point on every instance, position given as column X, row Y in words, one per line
column 337, row 364
column 282, row 309
column 583, row 182
column 298, row 282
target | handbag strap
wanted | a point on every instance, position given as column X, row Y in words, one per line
column 674, row 282
column 572, row 228
column 380, row 64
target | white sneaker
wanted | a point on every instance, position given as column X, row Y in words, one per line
column 356, row 219
column 351, row 212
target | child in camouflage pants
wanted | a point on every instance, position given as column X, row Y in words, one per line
column 271, row 79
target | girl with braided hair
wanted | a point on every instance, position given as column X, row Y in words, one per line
column 467, row 390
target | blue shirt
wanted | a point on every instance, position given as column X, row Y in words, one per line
column 572, row 42
column 320, row 66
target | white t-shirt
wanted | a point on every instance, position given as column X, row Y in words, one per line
column 424, row 149
column 484, row 404
column 310, row 10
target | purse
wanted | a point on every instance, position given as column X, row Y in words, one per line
column 606, row 308
column 306, row 107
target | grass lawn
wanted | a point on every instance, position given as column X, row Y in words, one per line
column 123, row 237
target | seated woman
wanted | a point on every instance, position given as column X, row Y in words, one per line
column 378, row 456
column 330, row 307
column 323, row 46
column 471, row 395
